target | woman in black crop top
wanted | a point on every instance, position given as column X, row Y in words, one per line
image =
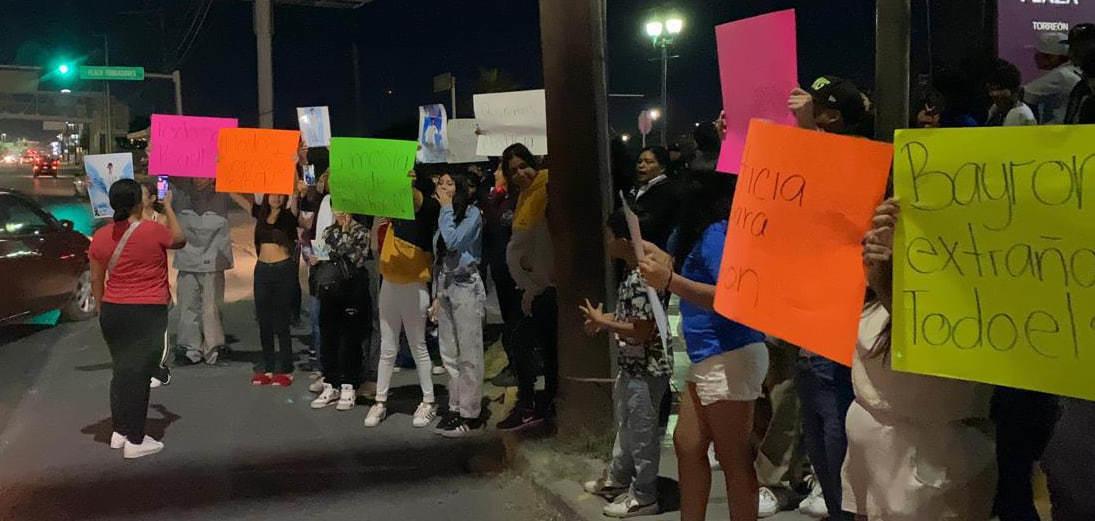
column 276, row 281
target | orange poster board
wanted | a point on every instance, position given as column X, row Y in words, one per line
column 792, row 264
column 257, row 160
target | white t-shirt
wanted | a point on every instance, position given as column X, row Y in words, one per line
column 1019, row 115
column 1050, row 93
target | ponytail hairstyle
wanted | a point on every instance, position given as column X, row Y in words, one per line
column 125, row 197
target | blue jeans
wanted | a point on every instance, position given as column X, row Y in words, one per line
column 825, row 390
column 637, row 450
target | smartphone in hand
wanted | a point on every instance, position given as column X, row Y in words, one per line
column 161, row 187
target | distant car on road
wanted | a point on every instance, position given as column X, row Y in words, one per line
column 11, row 159
column 43, row 263
column 46, row 165
column 30, row 156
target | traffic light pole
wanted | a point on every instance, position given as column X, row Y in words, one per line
column 109, row 119
column 175, row 78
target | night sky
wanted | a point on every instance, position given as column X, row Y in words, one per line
column 403, row 44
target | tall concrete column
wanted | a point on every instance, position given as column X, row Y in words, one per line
column 264, row 36
column 573, row 40
column 892, row 26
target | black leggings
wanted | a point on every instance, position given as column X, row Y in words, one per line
column 539, row 333
column 274, row 287
column 345, row 324
column 135, row 335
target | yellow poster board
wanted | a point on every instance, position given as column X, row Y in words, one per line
column 994, row 256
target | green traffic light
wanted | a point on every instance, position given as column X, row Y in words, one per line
column 63, row 69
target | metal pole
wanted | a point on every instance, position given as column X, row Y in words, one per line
column 452, row 88
column 264, row 33
column 176, row 77
column 892, row 26
column 109, row 115
column 665, row 93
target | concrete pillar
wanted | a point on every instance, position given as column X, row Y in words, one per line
column 573, row 39
column 892, row 26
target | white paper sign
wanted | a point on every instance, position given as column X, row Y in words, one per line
column 433, row 134
column 633, row 229
column 463, row 142
column 104, row 170
column 315, row 126
column 506, row 118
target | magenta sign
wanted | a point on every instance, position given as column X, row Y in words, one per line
column 1021, row 21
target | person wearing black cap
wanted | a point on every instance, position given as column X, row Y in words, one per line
column 1081, row 43
column 824, row 387
column 830, row 104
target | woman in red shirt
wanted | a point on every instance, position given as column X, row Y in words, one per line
column 129, row 282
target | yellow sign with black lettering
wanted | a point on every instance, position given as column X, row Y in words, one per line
column 994, row 256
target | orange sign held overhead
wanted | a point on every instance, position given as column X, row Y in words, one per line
column 256, row 160
column 792, row 265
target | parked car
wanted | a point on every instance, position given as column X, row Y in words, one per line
column 46, row 165
column 43, row 263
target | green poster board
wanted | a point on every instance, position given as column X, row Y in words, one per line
column 369, row 176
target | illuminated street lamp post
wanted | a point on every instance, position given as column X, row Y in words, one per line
column 662, row 33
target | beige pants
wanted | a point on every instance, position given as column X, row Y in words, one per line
column 200, row 296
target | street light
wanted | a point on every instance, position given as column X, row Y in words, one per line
column 653, row 29
column 662, row 32
column 655, row 114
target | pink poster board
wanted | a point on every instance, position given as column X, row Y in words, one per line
column 185, row 146
column 758, row 66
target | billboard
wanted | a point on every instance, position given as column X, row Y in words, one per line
column 1021, row 21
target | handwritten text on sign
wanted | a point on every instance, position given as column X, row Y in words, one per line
column 257, row 160
column 792, row 264
column 506, row 118
column 369, row 176
column 185, row 146
column 994, row 258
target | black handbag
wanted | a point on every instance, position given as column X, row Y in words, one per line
column 331, row 279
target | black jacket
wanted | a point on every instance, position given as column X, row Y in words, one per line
column 662, row 202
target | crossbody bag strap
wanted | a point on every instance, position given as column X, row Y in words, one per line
column 121, row 245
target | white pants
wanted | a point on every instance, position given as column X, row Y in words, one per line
column 460, row 338
column 403, row 307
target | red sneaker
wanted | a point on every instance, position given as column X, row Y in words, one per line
column 282, row 380
column 262, row 379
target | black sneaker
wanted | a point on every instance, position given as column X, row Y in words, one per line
column 448, row 420
column 505, row 378
column 520, row 418
column 161, row 377
column 464, row 428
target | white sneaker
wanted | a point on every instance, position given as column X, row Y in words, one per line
column 438, row 370
column 377, row 413
column 814, row 504
column 155, row 383
column 626, row 506
column 767, row 503
column 117, row 441
column 424, row 414
column 327, row 397
column 147, row 447
column 317, row 385
column 347, row 398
